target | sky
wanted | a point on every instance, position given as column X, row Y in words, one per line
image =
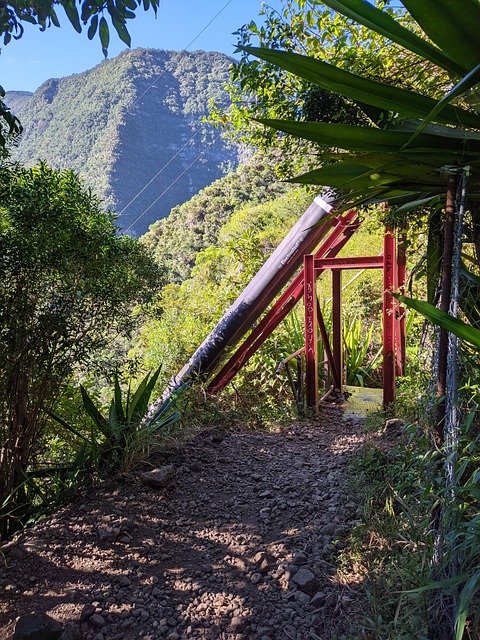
column 26, row 63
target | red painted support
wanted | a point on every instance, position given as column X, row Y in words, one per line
column 362, row 262
column 389, row 277
column 400, row 312
column 337, row 337
column 325, row 258
column 311, row 333
column 343, row 228
column 337, row 379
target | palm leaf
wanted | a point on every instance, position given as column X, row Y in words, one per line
column 93, row 412
column 383, row 23
column 162, row 423
column 451, row 26
column 355, row 199
column 416, row 204
column 159, row 415
column 394, row 99
column 116, row 426
column 446, row 321
column 466, row 83
column 400, row 176
column 468, row 275
column 358, row 138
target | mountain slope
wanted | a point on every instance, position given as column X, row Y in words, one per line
column 195, row 225
column 127, row 120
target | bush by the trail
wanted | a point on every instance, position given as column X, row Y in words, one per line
column 68, row 282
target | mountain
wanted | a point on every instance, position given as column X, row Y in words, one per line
column 195, row 225
column 132, row 128
column 17, row 99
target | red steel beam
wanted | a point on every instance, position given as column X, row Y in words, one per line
column 328, row 351
column 343, row 228
column 337, row 337
column 361, row 262
column 389, row 278
column 311, row 333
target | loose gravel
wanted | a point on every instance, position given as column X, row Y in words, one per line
column 239, row 541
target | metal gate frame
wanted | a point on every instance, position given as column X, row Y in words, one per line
column 393, row 263
column 337, row 231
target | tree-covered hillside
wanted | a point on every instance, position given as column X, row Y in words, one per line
column 195, row 225
column 127, row 120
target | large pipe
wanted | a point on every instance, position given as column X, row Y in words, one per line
column 257, row 295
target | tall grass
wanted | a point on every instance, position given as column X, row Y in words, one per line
column 415, row 587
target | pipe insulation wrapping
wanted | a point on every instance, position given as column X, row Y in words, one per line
column 257, row 295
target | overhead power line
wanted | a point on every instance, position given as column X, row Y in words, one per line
column 172, row 183
column 159, row 172
column 186, row 48
column 186, row 143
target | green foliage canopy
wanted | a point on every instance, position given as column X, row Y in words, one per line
column 68, row 283
column 261, row 89
column 89, row 13
column 390, row 155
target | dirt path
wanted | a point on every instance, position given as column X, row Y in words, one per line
column 239, row 546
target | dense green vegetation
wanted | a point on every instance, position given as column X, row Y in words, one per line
column 127, row 119
column 69, row 284
column 238, row 234
column 188, row 310
column 384, row 133
column 195, row 225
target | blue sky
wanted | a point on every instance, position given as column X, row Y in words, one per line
column 26, row 63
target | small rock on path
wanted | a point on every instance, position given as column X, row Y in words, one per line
column 238, row 544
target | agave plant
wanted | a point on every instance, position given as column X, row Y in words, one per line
column 119, row 437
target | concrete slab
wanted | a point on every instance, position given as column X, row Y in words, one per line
column 362, row 401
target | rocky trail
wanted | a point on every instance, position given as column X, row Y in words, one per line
column 233, row 537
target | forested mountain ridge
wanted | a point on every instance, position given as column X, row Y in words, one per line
column 127, row 119
column 195, row 225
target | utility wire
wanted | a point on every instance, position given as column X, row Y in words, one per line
column 186, row 143
column 173, row 182
column 159, row 172
column 186, row 48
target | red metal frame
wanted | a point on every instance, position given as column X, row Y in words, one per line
column 390, row 278
column 311, row 331
column 393, row 266
column 304, row 284
column 343, row 227
column 337, row 329
column 338, row 264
